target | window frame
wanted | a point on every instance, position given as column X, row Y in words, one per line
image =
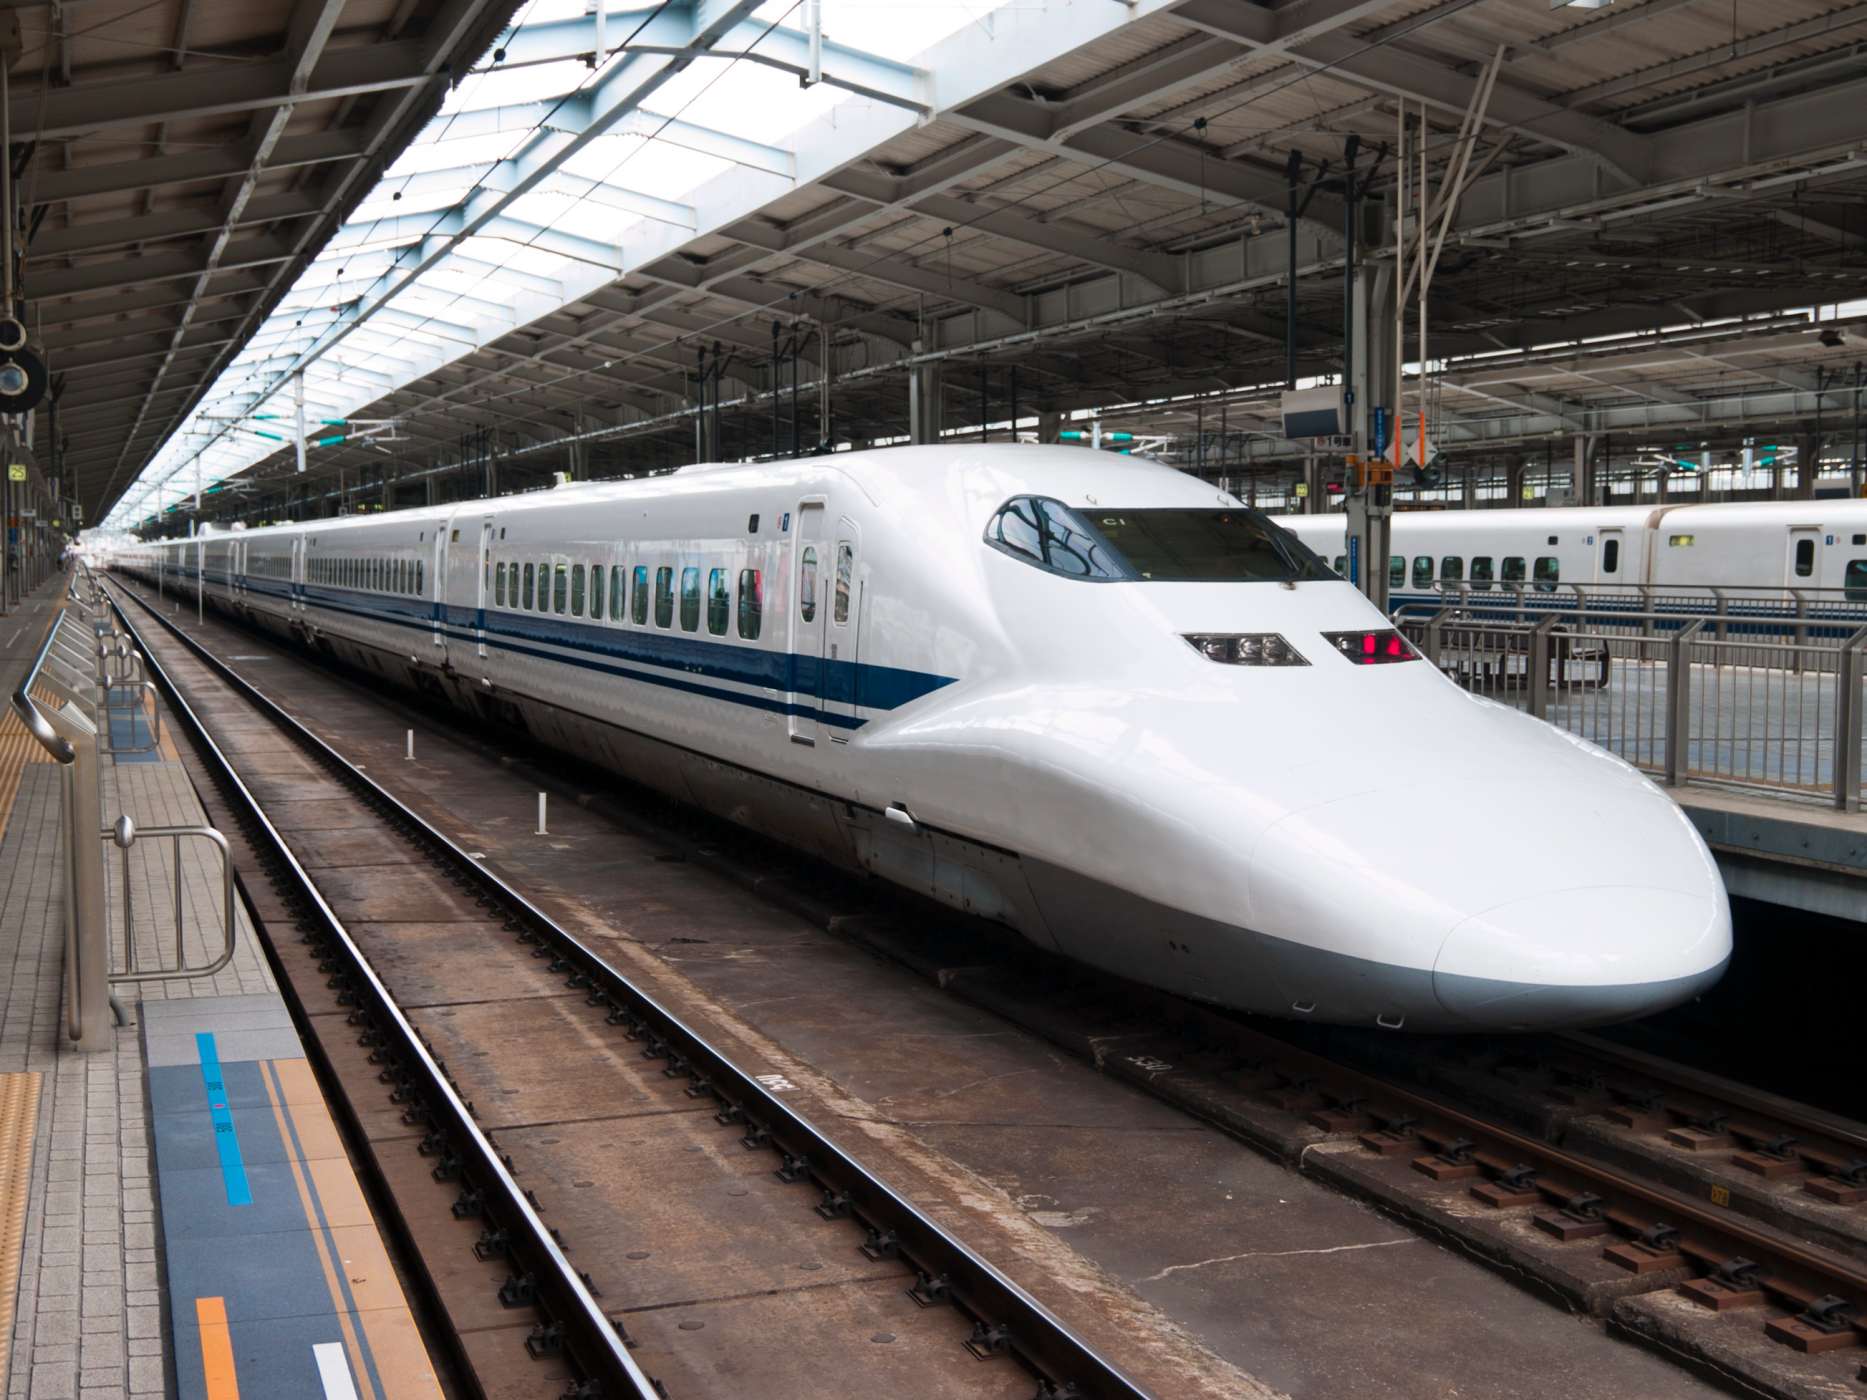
column 719, row 602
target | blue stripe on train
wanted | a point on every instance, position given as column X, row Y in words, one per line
column 604, row 650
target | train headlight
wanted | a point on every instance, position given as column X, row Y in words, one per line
column 1245, row 649
column 1372, row 647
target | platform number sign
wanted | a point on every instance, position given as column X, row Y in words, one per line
column 15, row 471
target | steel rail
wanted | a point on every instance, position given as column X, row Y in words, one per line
column 1814, row 1122
column 1006, row 1319
column 1668, row 1206
column 596, row 1345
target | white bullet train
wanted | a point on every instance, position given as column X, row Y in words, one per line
column 1086, row 696
column 1771, row 549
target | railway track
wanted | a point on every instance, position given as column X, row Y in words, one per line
column 1484, row 1107
column 634, row 1128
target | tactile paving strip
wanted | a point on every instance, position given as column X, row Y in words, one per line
column 17, row 749
column 19, row 1114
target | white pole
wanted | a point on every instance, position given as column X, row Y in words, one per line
column 298, row 412
column 410, row 755
column 541, row 817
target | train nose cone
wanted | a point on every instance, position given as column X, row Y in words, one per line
column 1583, row 957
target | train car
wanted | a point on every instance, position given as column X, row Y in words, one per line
column 1819, row 546
column 1090, row 698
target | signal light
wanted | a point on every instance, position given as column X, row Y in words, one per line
column 1372, row 647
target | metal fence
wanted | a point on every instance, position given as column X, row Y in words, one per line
column 84, row 696
column 1766, row 703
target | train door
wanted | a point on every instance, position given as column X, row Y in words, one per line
column 809, row 622
column 840, row 670
column 486, row 574
column 434, row 593
column 298, row 573
column 1610, row 566
column 1801, row 562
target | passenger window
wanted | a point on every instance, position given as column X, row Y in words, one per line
column 1548, row 574
column 638, row 599
column 1341, row 564
column 1452, row 568
column 690, row 600
column 596, row 592
column 719, row 602
column 1805, row 558
column 1610, row 556
column 845, row 568
column 528, row 586
column 418, row 576
column 752, row 603
column 1396, row 570
column 499, row 585
column 807, row 584
column 1513, row 569
column 664, row 596
column 1422, row 571
column 1481, row 571
column 615, row 593
column 559, row 580
column 576, row 590
column 1855, row 580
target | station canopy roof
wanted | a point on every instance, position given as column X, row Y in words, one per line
column 575, row 149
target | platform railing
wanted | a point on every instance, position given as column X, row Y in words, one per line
column 65, row 701
column 126, row 836
column 1683, row 698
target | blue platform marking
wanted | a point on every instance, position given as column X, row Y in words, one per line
column 226, row 1140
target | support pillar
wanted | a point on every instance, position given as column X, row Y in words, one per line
column 1808, row 465
column 1371, row 478
column 924, row 404
column 1049, row 427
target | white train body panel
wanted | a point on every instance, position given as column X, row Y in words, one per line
column 1331, row 840
column 1816, row 544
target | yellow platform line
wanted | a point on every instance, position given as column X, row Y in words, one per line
column 19, row 1115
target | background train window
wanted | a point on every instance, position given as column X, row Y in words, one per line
column 1805, row 558
column 1422, row 571
column 690, row 599
column 638, row 598
column 1513, row 568
column 576, row 590
column 596, row 591
column 615, row 593
column 1855, row 580
column 1396, row 570
column 664, row 596
column 845, row 567
column 1341, row 565
column 1481, row 571
column 719, row 602
column 1860, row 539
column 1452, row 568
column 1548, row 574
column 499, row 584
column 1610, row 556
column 528, row 586
column 559, row 587
column 752, row 603
column 807, row 585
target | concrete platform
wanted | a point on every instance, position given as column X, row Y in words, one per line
column 190, row 1224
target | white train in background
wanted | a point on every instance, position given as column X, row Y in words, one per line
column 1817, row 545
column 1089, row 697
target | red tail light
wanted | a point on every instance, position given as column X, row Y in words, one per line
column 1377, row 647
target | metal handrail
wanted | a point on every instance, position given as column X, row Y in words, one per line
column 28, row 708
column 124, row 835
